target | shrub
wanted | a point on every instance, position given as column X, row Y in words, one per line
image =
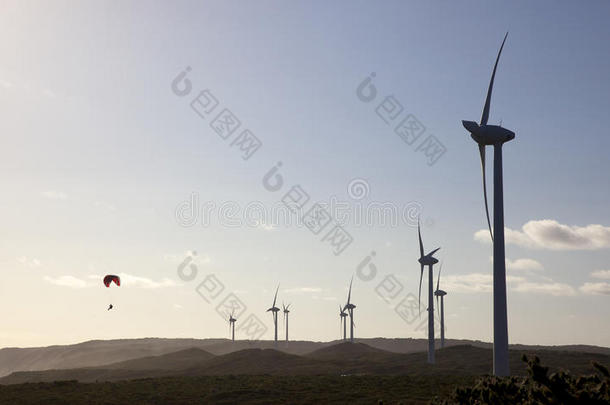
column 537, row 388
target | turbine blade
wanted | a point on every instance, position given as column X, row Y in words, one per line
column 421, row 245
column 421, row 275
column 274, row 298
column 485, row 115
column 433, row 252
column 349, row 295
column 438, row 280
column 482, row 153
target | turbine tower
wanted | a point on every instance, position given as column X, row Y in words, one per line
column 494, row 135
column 430, row 261
column 350, row 309
column 342, row 320
column 232, row 326
column 274, row 310
column 286, row 312
column 440, row 293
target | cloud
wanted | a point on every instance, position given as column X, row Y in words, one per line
column 178, row 306
column 29, row 262
column 54, row 195
column 602, row 288
column 129, row 280
column 473, row 282
column 179, row 258
column 556, row 289
column 104, row 206
column 264, row 226
column 306, row 290
column 603, row 274
column 523, row 264
column 482, row 282
column 6, row 84
column 67, row 281
column 550, row 234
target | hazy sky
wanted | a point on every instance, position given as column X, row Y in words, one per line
column 98, row 155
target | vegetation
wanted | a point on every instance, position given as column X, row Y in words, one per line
column 537, row 388
column 242, row 389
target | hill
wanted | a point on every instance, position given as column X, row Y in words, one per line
column 340, row 359
column 98, row 353
column 179, row 360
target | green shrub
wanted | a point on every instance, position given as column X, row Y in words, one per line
column 537, row 388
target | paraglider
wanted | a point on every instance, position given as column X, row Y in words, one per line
column 109, row 279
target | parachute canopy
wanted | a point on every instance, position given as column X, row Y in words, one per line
column 110, row 278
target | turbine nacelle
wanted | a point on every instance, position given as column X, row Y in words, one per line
column 440, row 293
column 428, row 260
column 273, row 309
column 349, row 306
column 488, row 134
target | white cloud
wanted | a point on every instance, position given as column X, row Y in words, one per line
column 602, row 288
column 523, row 264
column 264, row 226
column 178, row 306
column 473, row 282
column 129, row 280
column 603, row 274
column 179, row 258
column 6, row 84
column 303, row 290
column 556, row 289
column 28, row 261
column 481, row 282
column 54, row 195
column 550, row 234
column 104, row 206
column 67, row 281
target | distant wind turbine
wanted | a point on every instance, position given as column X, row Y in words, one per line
column 350, row 309
column 342, row 320
column 286, row 312
column 430, row 261
column 495, row 135
column 232, row 326
column 440, row 293
column 274, row 310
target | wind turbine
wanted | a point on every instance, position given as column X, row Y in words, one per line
column 430, row 261
column 286, row 312
column 342, row 320
column 274, row 310
column 495, row 135
column 440, row 293
column 350, row 309
column 232, row 326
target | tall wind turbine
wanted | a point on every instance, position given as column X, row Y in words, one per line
column 430, row 261
column 350, row 309
column 440, row 293
column 494, row 135
column 274, row 310
column 232, row 326
column 286, row 312
column 343, row 315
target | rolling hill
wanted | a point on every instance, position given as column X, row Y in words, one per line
column 339, row 359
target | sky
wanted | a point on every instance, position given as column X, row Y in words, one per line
column 113, row 163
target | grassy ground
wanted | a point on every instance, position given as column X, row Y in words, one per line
column 238, row 390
